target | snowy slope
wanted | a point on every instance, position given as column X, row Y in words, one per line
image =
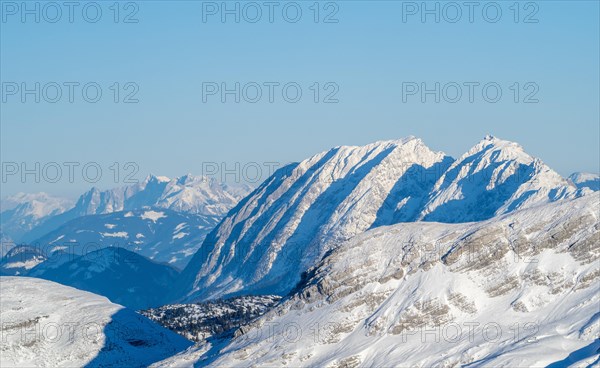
column 116, row 273
column 51, row 325
column 520, row 290
column 306, row 209
column 162, row 235
column 22, row 212
column 190, row 194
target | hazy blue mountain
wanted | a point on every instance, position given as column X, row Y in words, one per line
column 122, row 276
column 22, row 212
column 162, row 235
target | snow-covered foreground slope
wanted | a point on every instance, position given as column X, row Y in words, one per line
column 45, row 324
column 164, row 236
column 520, row 290
column 189, row 194
column 306, row 209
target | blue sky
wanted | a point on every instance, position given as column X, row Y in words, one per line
column 368, row 56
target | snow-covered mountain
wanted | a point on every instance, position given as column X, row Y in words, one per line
column 189, row 194
column 586, row 180
column 162, row 235
column 519, row 290
column 36, row 205
column 304, row 210
column 22, row 212
column 122, row 276
column 389, row 254
column 493, row 178
column 45, row 324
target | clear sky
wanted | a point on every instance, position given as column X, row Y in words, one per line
column 368, row 55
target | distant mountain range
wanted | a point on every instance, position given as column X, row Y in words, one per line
column 21, row 213
column 160, row 222
column 34, row 217
column 306, row 209
column 162, row 235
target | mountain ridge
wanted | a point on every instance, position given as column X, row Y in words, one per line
column 305, row 209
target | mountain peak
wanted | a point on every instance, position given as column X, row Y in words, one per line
column 156, row 178
column 494, row 149
column 398, row 142
column 194, row 179
column 382, row 143
column 493, row 140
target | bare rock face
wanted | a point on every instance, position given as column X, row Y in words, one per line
column 431, row 294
